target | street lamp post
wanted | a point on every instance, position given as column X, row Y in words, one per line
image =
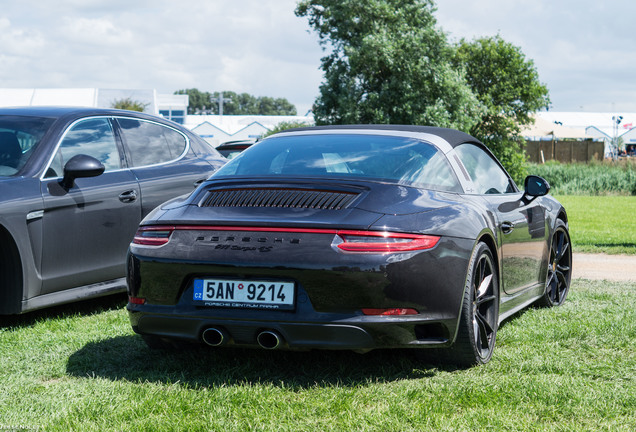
column 221, row 100
column 616, row 120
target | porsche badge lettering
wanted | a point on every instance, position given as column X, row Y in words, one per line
column 230, row 243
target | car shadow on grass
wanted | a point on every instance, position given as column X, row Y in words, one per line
column 82, row 308
column 127, row 358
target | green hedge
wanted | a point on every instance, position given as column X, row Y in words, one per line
column 596, row 178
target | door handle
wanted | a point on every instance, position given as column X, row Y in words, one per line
column 128, row 196
column 507, row 227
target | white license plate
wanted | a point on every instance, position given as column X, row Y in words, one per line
column 254, row 294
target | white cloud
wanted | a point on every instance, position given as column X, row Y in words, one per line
column 582, row 49
column 19, row 42
column 95, row 31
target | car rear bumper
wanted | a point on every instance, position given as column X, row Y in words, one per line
column 332, row 295
column 354, row 333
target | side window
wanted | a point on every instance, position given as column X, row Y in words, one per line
column 93, row 137
column 486, row 174
column 432, row 170
column 150, row 143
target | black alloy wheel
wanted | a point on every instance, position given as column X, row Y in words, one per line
column 480, row 313
column 557, row 282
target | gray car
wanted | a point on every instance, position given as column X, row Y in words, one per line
column 74, row 185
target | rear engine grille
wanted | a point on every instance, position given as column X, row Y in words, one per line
column 269, row 197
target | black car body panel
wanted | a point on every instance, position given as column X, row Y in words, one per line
column 316, row 230
column 231, row 149
column 60, row 243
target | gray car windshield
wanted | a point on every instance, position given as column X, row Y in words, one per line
column 375, row 157
column 19, row 136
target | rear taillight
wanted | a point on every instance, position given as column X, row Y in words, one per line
column 382, row 242
column 344, row 240
column 390, row 311
column 153, row 235
column 137, row 300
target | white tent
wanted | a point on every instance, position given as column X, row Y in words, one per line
column 543, row 128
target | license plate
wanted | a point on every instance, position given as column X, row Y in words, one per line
column 253, row 294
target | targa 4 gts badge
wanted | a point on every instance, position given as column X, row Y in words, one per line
column 243, row 243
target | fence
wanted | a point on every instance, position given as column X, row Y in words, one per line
column 565, row 151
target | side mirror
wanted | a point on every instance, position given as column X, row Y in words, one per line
column 536, row 186
column 80, row 166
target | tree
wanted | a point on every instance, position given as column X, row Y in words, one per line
column 129, row 104
column 197, row 100
column 238, row 103
column 508, row 86
column 285, row 126
column 275, row 106
column 388, row 63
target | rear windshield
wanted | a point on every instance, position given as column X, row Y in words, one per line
column 384, row 158
column 19, row 136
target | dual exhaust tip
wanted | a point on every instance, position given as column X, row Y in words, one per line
column 214, row 337
column 267, row 339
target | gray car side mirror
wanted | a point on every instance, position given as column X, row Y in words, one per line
column 80, row 166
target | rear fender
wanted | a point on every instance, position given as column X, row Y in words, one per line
column 459, row 221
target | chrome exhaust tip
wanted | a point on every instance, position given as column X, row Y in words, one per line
column 214, row 337
column 269, row 339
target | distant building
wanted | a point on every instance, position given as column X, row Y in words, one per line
column 612, row 129
column 174, row 106
column 213, row 128
column 219, row 129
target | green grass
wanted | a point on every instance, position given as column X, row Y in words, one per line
column 604, row 224
column 81, row 368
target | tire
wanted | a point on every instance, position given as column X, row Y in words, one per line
column 11, row 284
column 557, row 283
column 479, row 318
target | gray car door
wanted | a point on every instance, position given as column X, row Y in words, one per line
column 162, row 161
column 87, row 228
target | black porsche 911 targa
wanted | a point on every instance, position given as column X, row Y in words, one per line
column 351, row 237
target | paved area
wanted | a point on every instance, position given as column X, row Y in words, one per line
column 607, row 267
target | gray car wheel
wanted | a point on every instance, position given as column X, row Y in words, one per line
column 557, row 283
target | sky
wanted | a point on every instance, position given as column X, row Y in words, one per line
column 584, row 51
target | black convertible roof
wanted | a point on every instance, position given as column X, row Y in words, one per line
column 452, row 136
